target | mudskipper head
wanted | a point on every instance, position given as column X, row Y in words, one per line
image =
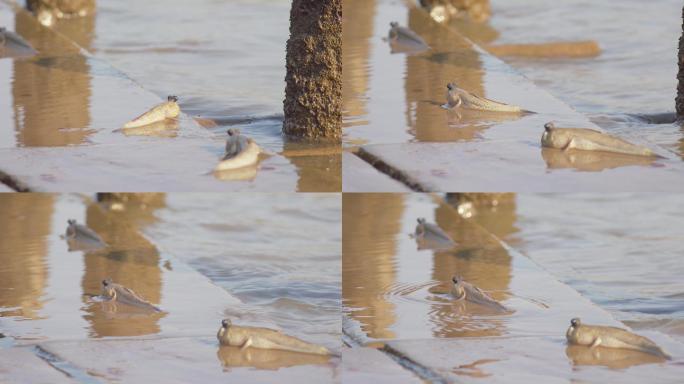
column 108, row 290
column 571, row 334
column 420, row 228
column 546, row 136
column 71, row 229
column 172, row 98
column 394, row 24
column 233, row 132
column 457, row 288
column 451, row 86
column 225, row 324
column 549, row 126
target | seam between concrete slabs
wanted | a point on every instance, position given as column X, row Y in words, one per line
column 390, row 171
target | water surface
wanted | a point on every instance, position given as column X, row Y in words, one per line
column 394, row 289
column 207, row 53
column 394, row 98
column 261, row 260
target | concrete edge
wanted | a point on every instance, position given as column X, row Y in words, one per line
column 390, row 171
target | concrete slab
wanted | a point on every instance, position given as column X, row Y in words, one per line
column 141, row 167
column 184, row 360
column 509, row 165
column 368, row 365
column 358, row 176
column 532, row 360
column 22, row 365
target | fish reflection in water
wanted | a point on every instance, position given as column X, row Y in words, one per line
column 431, row 236
column 404, row 40
column 609, row 357
column 247, row 173
column 164, row 128
column 81, row 238
column 234, row 357
column 592, row 161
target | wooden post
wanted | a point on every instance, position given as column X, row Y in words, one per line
column 679, row 100
column 313, row 91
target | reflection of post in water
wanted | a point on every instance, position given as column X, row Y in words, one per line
column 357, row 30
column 319, row 167
column 451, row 59
column 51, row 12
column 51, row 93
column 494, row 211
column 370, row 223
column 131, row 261
column 479, row 259
column 477, row 11
column 25, row 221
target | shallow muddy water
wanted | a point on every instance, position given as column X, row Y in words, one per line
column 622, row 251
column 395, row 289
column 208, row 53
column 263, row 260
column 394, row 97
column 635, row 74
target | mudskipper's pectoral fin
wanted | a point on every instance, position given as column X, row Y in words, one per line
column 587, row 145
column 570, row 145
column 596, row 343
column 246, row 344
column 580, row 143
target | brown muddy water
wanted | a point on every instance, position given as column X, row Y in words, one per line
column 207, row 53
column 394, row 97
column 621, row 253
column 264, row 260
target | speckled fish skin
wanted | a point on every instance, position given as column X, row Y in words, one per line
column 589, row 140
column 264, row 338
column 610, row 337
column 457, row 97
column 118, row 293
column 241, row 151
column 77, row 231
column 462, row 290
column 163, row 111
column 398, row 33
